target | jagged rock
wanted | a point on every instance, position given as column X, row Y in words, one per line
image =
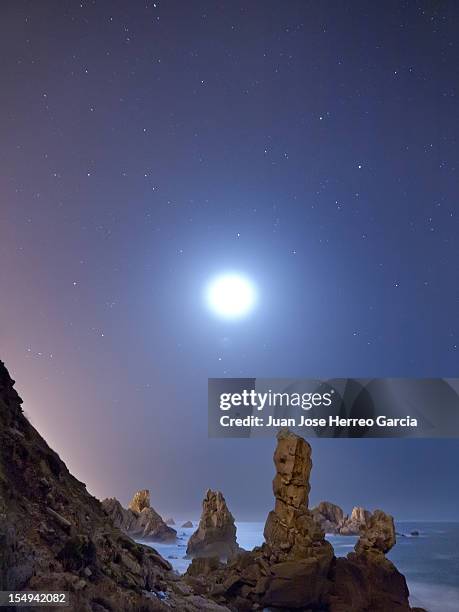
column 170, row 521
column 300, row 556
column 378, row 535
column 295, row 569
column 291, row 568
column 366, row 579
column 330, row 517
column 294, row 584
column 140, row 520
column 122, row 518
column 54, row 536
column 151, row 527
column 140, row 501
column 359, row 583
column 356, row 522
column 216, row 533
column 290, row 530
column 201, row 566
column 187, row 525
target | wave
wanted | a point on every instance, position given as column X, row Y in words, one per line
column 434, row 597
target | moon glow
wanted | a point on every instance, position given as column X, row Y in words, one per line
column 231, row 296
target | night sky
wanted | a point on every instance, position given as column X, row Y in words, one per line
column 146, row 147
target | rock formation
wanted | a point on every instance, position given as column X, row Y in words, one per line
column 216, row 533
column 54, row 536
column 332, row 519
column 187, row 525
column 378, row 535
column 290, row 531
column 140, row 520
column 366, row 577
column 357, row 521
column 295, row 569
column 140, row 501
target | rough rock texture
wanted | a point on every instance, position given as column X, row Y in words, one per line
column 187, row 525
column 54, row 536
column 140, row 520
column 296, row 568
column 378, row 535
column 332, row 519
column 216, row 533
column 140, row 501
column 290, row 531
column 356, row 521
column 366, row 577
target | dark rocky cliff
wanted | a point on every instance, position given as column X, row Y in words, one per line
column 55, row 536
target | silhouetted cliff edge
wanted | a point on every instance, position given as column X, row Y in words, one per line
column 55, row 536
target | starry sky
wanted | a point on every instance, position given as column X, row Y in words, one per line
column 146, row 146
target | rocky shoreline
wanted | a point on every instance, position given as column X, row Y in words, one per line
column 296, row 569
column 55, row 536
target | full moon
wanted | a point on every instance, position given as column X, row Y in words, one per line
column 231, row 296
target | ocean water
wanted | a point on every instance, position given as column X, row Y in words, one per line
column 430, row 561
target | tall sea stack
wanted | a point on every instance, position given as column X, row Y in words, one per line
column 216, row 533
column 295, row 569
